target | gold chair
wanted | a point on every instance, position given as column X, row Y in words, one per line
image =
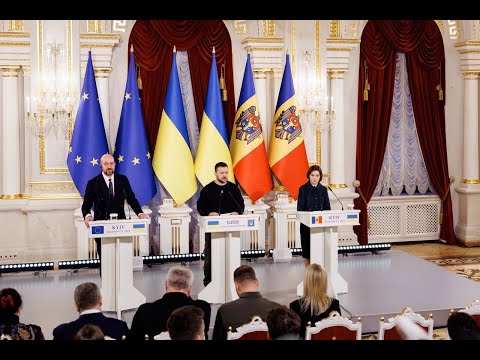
column 388, row 330
column 256, row 329
column 334, row 327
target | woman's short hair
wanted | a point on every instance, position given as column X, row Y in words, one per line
column 315, row 168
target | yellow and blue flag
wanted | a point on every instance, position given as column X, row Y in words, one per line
column 89, row 141
column 249, row 155
column 286, row 153
column 131, row 153
column 172, row 159
column 213, row 140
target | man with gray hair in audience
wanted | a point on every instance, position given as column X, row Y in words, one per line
column 151, row 318
column 88, row 300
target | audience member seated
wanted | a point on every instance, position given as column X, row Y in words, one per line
column 151, row 318
column 89, row 332
column 88, row 301
column 462, row 326
column 283, row 324
column 186, row 323
column 315, row 304
column 250, row 303
column 408, row 330
column 10, row 326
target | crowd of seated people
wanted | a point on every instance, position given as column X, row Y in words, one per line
column 177, row 316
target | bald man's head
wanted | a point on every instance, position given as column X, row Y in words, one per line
column 108, row 164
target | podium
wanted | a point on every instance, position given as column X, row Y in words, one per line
column 118, row 292
column 324, row 242
column 225, row 256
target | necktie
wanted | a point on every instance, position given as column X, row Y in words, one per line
column 110, row 188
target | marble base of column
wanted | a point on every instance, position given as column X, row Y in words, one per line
column 467, row 229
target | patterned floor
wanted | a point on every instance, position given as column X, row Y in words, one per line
column 464, row 261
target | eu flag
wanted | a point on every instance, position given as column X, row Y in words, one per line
column 89, row 141
column 131, row 153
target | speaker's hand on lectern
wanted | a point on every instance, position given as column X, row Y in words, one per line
column 143, row 216
column 87, row 220
column 234, row 213
column 213, row 214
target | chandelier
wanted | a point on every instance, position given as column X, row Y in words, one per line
column 51, row 112
column 311, row 108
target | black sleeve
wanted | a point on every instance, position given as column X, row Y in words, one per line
column 219, row 331
column 88, row 198
column 326, row 200
column 138, row 328
column 130, row 195
column 301, row 201
column 202, row 203
column 336, row 306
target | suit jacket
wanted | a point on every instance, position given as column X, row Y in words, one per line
column 96, row 195
column 312, row 198
column 238, row 312
column 306, row 316
column 111, row 327
column 151, row 318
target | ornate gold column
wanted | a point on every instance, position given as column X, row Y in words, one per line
column 467, row 229
column 338, row 56
column 266, row 59
column 11, row 61
column 101, row 46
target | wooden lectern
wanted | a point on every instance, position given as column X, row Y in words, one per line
column 225, row 247
column 118, row 292
column 324, row 242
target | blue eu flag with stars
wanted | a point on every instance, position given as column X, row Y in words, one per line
column 132, row 155
column 89, row 141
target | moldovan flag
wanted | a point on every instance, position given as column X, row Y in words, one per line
column 213, row 140
column 249, row 155
column 286, row 154
column 172, row 159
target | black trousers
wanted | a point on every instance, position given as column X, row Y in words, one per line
column 305, row 240
column 207, row 264
column 98, row 241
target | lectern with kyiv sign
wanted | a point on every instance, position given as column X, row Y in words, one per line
column 118, row 292
column 225, row 259
column 324, row 242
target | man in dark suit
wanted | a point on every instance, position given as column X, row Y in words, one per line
column 151, row 318
column 107, row 192
column 88, row 300
column 250, row 303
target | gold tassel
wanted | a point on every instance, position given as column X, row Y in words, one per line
column 139, row 79
column 368, row 223
column 224, row 94
column 440, row 217
column 366, row 88
column 440, row 92
column 222, row 76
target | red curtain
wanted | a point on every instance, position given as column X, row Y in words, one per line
column 153, row 42
column 422, row 43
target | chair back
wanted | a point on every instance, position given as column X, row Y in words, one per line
column 164, row 335
column 334, row 327
column 389, row 331
column 474, row 310
column 256, row 329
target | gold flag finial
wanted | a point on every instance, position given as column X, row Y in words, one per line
column 131, row 48
column 213, row 50
column 174, row 49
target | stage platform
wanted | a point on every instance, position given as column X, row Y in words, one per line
column 379, row 285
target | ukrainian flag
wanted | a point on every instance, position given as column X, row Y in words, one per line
column 213, row 140
column 287, row 154
column 172, row 159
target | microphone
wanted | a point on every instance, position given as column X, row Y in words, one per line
column 128, row 205
column 329, row 188
column 235, row 200
column 220, row 202
column 356, row 184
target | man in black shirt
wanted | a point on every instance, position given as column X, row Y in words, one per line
column 218, row 197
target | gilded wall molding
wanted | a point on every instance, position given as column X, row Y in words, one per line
column 273, row 40
column 15, row 25
column 100, row 36
column 467, row 43
column 334, row 29
column 61, row 185
column 15, row 34
column 343, row 41
column 268, row 28
column 94, row 26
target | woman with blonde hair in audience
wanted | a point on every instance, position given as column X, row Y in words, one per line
column 315, row 304
column 10, row 326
